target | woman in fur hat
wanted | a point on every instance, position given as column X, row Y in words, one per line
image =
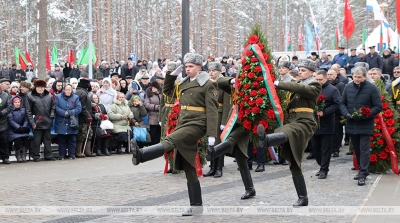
column 119, row 115
column 152, row 103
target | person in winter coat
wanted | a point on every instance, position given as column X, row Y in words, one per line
column 152, row 103
column 103, row 137
column 141, row 73
column 373, row 59
column 138, row 110
column 19, row 73
column 75, row 72
column 24, row 89
column 154, row 69
column 340, row 58
column 5, row 72
column 67, row 70
column 58, row 73
column 323, row 137
column 40, row 109
column 56, row 88
column 357, row 94
column 107, row 94
column 18, row 131
column 389, row 63
column 123, row 86
column 119, row 115
column 67, row 105
column 351, row 60
column 376, row 74
column 5, row 108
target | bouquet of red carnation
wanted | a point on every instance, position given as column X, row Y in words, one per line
column 358, row 114
column 319, row 107
column 173, row 117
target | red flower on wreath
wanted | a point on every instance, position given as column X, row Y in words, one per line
column 261, row 46
column 253, row 93
column 255, row 110
column 246, row 98
column 388, row 114
column 247, row 111
column 382, row 97
column 258, row 69
column 385, row 105
column 371, row 145
column 373, row 158
column 251, row 75
column 376, row 134
column 254, row 60
column 40, row 117
column 247, row 67
column 260, row 78
column 387, row 149
column 380, row 142
column 270, row 68
column 255, row 84
column 391, row 130
column 264, row 123
column 379, row 127
column 253, row 39
column 259, row 101
column 390, row 122
column 249, row 53
column 247, row 124
column 72, row 101
column 241, row 115
column 246, row 86
column 241, row 94
column 263, row 91
column 252, row 103
column 383, row 155
column 265, row 56
column 271, row 114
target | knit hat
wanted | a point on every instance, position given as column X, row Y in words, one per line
column 26, row 84
column 193, row 58
column 214, row 66
column 309, row 64
column 13, row 84
column 145, row 77
column 39, row 83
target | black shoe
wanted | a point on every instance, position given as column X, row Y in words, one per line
column 335, row 154
column 322, row 175
column 119, row 151
column 260, row 168
column 218, row 166
column 6, row 161
column 349, row 153
column 285, row 162
column 276, row 162
column 273, row 139
column 310, row 156
column 36, row 160
column 353, row 168
column 72, row 157
column 346, row 142
column 170, row 171
column 98, row 153
column 361, row 181
column 210, row 173
column 301, row 190
column 318, row 173
column 60, row 158
column 218, row 173
column 356, row 177
column 147, row 153
column 50, row 159
column 248, row 184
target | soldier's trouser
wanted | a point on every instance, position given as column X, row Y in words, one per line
column 190, row 171
column 241, row 159
column 294, row 168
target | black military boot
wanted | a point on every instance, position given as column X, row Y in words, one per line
column 196, row 203
column 211, row 172
column 301, row 190
column 220, row 164
column 248, row 184
column 105, row 149
column 147, row 153
column 218, row 150
column 273, row 139
column 98, row 148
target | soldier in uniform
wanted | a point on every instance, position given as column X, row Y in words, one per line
column 300, row 126
column 198, row 97
column 224, row 106
column 396, row 88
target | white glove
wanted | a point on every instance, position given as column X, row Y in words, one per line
column 159, row 123
column 233, row 81
column 222, row 127
column 211, row 140
column 276, row 83
column 177, row 71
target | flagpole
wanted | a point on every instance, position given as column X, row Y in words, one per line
column 366, row 40
column 286, row 29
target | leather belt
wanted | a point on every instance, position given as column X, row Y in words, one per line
column 193, row 108
column 397, row 102
column 169, row 105
column 297, row 110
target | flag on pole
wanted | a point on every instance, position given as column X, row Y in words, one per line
column 289, row 42
column 20, row 58
column 337, row 37
column 348, row 21
column 48, row 67
column 316, row 29
column 300, row 40
column 28, row 58
column 54, row 54
column 364, row 37
column 398, row 15
column 310, row 38
column 71, row 57
column 372, row 5
column 381, row 39
column 388, row 38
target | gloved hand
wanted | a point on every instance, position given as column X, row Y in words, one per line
column 90, row 119
column 25, row 130
column 66, row 114
column 177, row 71
column 222, row 127
column 97, row 116
column 348, row 116
column 211, row 140
column 19, row 130
column 276, row 83
column 233, row 81
column 160, row 123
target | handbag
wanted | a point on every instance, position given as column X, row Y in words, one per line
column 106, row 124
column 73, row 121
column 139, row 134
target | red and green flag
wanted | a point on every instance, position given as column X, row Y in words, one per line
column 289, row 42
column 28, row 58
column 364, row 37
column 48, row 67
column 54, row 54
column 20, row 58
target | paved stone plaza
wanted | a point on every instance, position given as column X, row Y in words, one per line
column 114, row 181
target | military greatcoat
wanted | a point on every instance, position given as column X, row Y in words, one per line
column 224, row 107
column 300, row 126
column 396, row 93
column 198, row 116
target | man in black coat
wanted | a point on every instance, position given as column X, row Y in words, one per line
column 373, row 59
column 355, row 95
column 323, row 137
column 389, row 63
column 5, row 108
column 85, row 119
column 40, row 108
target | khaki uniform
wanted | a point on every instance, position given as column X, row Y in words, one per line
column 224, row 108
column 166, row 104
column 198, row 116
column 396, row 94
column 301, row 124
